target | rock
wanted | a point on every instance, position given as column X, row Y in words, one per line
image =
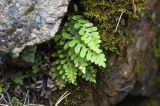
column 137, row 65
column 28, row 22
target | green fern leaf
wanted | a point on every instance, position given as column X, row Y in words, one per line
column 88, row 25
column 77, row 17
column 78, row 48
column 89, row 56
column 77, row 25
column 82, row 31
column 83, row 52
column 72, row 43
column 66, row 35
column 80, row 42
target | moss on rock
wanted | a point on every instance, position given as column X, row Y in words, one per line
column 106, row 14
column 30, row 9
column 156, row 49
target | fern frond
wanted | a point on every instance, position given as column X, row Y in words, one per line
column 79, row 41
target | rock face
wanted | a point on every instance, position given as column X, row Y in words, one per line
column 28, row 22
column 137, row 69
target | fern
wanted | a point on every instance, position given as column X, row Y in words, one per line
column 38, row 64
column 79, row 44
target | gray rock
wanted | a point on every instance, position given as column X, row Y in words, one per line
column 28, row 22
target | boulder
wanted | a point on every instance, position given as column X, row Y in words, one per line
column 28, row 22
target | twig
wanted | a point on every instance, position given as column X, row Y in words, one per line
column 25, row 100
column 2, row 97
column 28, row 100
column 3, row 105
column 1, row 59
column 134, row 6
column 34, row 105
column 62, row 97
column 125, row 88
column 119, row 21
column 9, row 99
column 35, row 99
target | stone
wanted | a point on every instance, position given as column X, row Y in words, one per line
column 29, row 22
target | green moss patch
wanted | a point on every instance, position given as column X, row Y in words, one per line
column 113, row 18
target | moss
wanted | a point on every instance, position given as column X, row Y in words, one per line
column 139, row 68
column 17, row 41
column 79, row 94
column 106, row 13
column 156, row 49
column 151, row 102
column 11, row 30
column 30, row 9
column 157, row 81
